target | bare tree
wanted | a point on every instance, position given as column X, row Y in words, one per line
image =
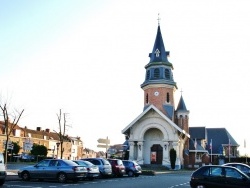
column 62, row 130
column 9, row 126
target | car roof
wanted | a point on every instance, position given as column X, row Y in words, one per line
column 206, row 166
column 242, row 164
column 83, row 161
column 237, row 163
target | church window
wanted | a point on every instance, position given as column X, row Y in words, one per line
column 148, row 74
column 157, row 73
column 168, row 98
column 198, row 157
column 157, row 52
column 167, row 74
column 146, row 98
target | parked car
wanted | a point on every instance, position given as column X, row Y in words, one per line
column 241, row 166
column 59, row 169
column 217, row 176
column 3, row 173
column 92, row 170
column 118, row 169
column 132, row 168
column 104, row 166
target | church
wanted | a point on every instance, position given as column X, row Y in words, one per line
column 161, row 127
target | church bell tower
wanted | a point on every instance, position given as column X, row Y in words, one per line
column 159, row 85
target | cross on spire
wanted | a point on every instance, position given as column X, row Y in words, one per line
column 181, row 91
column 159, row 19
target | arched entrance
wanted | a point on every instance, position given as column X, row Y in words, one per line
column 156, row 154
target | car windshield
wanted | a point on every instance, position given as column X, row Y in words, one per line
column 80, row 163
column 69, row 162
column 83, row 163
column 106, row 162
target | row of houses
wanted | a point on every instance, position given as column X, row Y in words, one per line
column 73, row 147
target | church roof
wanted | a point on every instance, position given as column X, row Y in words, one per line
column 219, row 137
column 152, row 107
column 198, row 132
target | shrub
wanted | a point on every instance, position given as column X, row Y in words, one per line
column 172, row 158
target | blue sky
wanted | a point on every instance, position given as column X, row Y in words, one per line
column 87, row 58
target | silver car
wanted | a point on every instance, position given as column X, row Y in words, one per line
column 92, row 170
column 58, row 169
column 104, row 165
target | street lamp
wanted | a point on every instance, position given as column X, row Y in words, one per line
column 57, row 148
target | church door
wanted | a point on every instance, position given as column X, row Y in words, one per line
column 156, row 154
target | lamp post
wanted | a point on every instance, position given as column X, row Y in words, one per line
column 57, row 148
column 54, row 152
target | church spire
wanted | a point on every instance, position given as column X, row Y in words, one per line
column 159, row 69
column 159, row 54
column 181, row 106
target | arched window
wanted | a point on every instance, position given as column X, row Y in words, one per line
column 167, row 74
column 148, row 75
column 146, row 98
column 168, row 98
column 157, row 73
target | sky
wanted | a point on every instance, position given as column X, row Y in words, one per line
column 87, row 58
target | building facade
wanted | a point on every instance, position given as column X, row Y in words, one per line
column 72, row 146
column 159, row 127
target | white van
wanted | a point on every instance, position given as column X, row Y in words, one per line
column 2, row 170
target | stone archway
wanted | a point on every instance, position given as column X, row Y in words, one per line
column 156, row 154
column 152, row 146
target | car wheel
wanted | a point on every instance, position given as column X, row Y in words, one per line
column 2, row 182
column 62, row 177
column 25, row 176
column 131, row 174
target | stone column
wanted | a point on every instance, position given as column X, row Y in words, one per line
column 140, row 153
column 165, row 160
column 131, row 150
column 176, row 147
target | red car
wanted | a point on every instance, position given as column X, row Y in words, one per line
column 118, row 169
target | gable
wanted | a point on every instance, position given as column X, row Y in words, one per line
column 153, row 109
